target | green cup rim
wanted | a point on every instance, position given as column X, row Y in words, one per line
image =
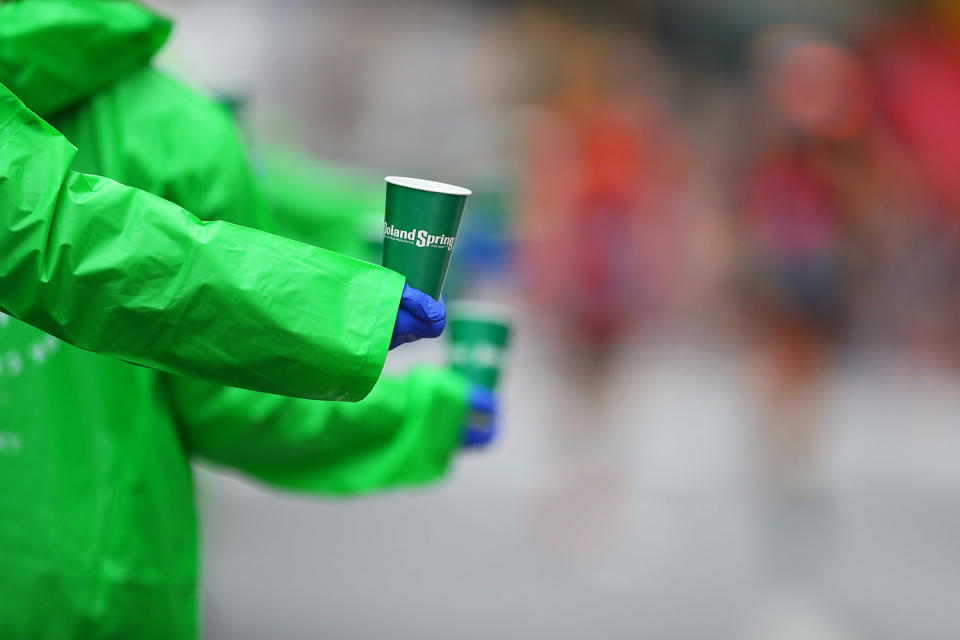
column 428, row 185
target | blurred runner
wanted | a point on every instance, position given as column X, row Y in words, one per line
column 796, row 217
column 593, row 217
column 797, row 209
column 596, row 246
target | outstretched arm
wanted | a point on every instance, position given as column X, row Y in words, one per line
column 404, row 433
column 118, row 271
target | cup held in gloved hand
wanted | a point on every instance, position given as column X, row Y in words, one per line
column 420, row 228
column 479, row 334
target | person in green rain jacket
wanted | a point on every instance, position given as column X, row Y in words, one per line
column 98, row 530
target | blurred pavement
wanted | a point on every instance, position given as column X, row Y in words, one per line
column 661, row 540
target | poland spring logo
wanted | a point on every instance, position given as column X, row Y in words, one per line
column 418, row 237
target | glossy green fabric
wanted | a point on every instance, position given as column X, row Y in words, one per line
column 122, row 272
column 39, row 41
column 98, row 533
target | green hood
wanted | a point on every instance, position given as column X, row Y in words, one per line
column 54, row 53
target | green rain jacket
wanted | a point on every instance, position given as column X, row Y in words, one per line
column 98, row 531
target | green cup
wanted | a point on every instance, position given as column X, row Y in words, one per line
column 420, row 228
column 479, row 335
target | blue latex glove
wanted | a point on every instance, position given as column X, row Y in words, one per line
column 481, row 427
column 420, row 316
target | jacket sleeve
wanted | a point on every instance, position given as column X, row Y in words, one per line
column 115, row 270
column 403, row 434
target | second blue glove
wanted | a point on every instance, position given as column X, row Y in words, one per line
column 481, row 428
